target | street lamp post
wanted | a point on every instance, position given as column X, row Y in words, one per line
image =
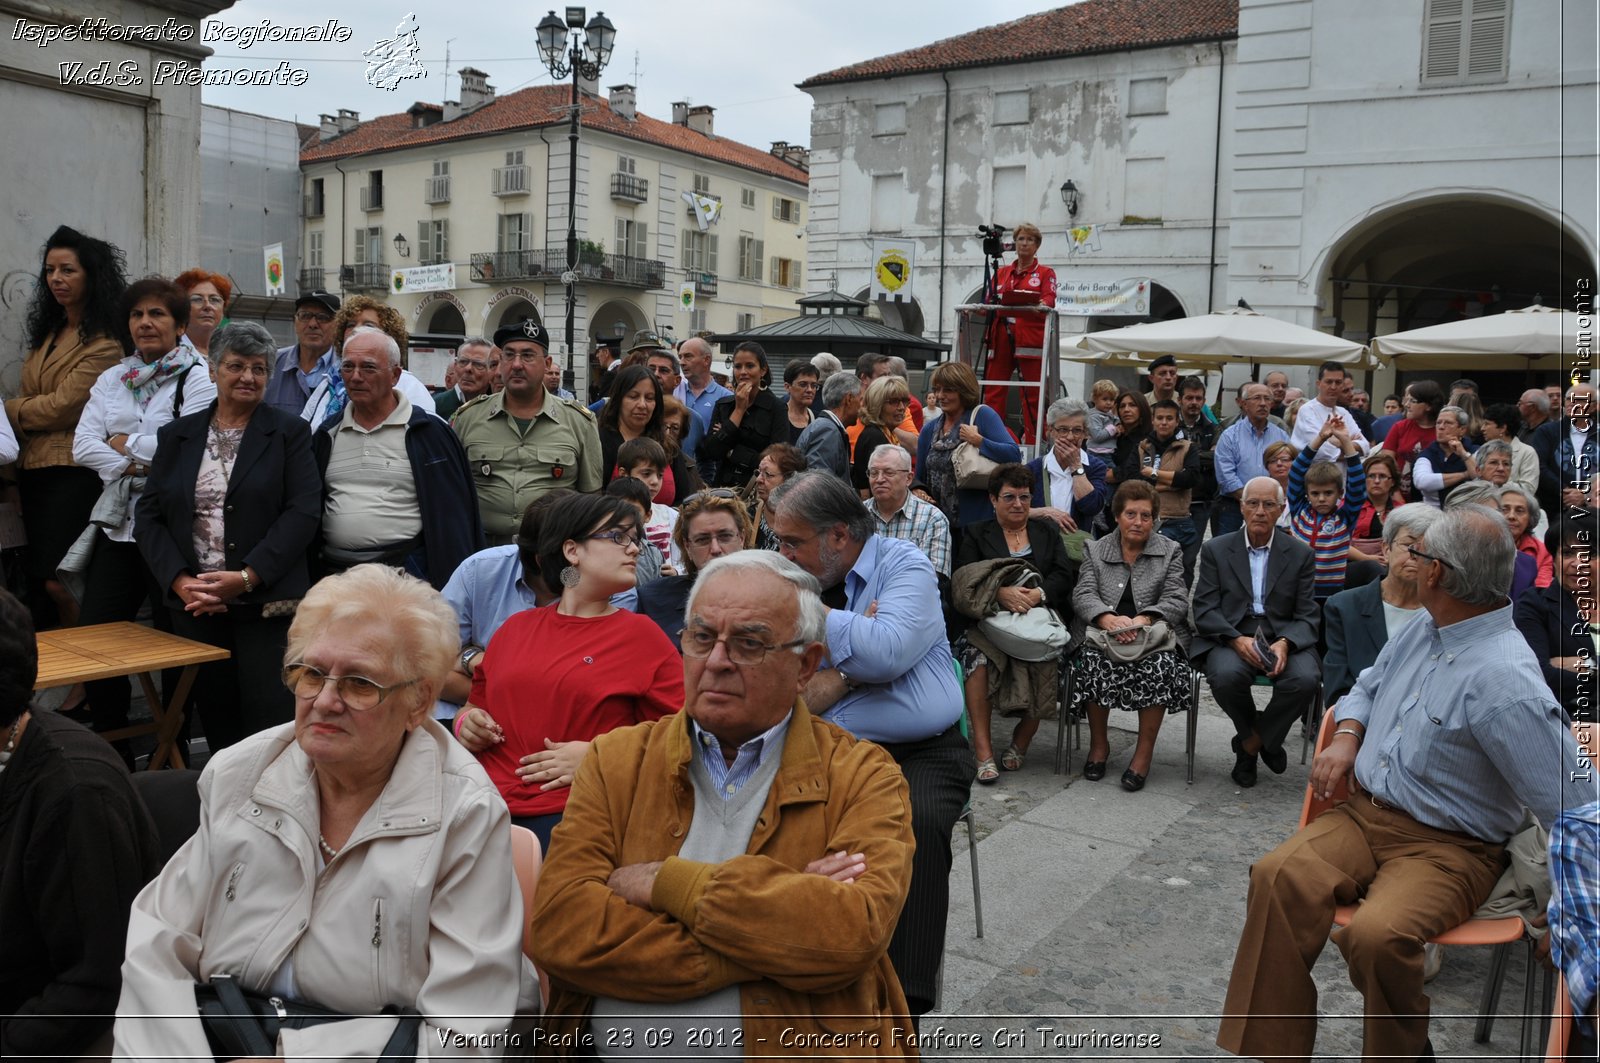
column 587, row 56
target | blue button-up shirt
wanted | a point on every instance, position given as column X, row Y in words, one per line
column 484, row 591
column 1259, row 557
column 729, row 779
column 289, row 388
column 1462, row 731
column 1238, row 453
column 702, row 406
column 900, row 655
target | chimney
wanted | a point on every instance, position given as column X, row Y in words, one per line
column 680, row 113
column 779, row 147
column 589, row 86
column 348, row 120
column 330, row 128
column 475, row 89
column 700, row 119
column 452, row 110
column 624, row 102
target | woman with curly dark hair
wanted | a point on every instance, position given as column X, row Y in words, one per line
column 636, row 406
column 76, row 328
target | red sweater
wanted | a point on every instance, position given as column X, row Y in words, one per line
column 568, row 678
column 1407, row 439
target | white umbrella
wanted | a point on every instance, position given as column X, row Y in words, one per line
column 1233, row 335
column 1538, row 337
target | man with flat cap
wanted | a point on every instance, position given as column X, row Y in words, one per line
column 310, row 360
column 522, row 441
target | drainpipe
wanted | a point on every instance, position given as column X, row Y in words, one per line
column 1216, row 191
column 944, row 174
column 344, row 205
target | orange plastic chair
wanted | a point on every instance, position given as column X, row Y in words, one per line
column 1502, row 933
column 526, row 859
column 1559, row 1041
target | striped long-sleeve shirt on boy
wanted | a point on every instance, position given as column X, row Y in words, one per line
column 1328, row 535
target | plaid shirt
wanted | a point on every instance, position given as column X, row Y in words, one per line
column 920, row 523
column 1575, row 903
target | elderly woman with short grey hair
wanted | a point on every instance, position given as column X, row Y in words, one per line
column 1359, row 621
column 230, row 507
column 1069, row 483
column 1447, row 463
column 1521, row 511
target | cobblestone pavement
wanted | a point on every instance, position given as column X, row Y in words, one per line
column 1112, row 914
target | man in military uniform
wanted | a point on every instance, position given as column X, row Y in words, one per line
column 523, row 441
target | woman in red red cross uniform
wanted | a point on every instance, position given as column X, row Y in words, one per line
column 1019, row 338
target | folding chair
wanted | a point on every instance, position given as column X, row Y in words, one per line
column 1066, row 709
column 1502, row 933
column 1308, row 722
column 526, row 861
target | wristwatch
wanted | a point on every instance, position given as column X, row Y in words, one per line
column 849, row 684
column 1075, row 472
column 466, row 658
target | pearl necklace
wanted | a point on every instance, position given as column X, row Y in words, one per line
column 327, row 850
column 11, row 741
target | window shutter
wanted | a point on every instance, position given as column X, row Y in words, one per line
column 444, row 241
column 711, row 254
column 424, row 243
column 1486, row 39
column 688, row 252
column 756, row 258
column 621, row 242
column 777, row 208
column 360, row 243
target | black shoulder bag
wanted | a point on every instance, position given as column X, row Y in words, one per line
column 240, row 1024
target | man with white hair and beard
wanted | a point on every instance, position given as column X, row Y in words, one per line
column 1444, row 741
column 887, row 677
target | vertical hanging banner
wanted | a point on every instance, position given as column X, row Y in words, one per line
column 686, row 297
column 272, row 264
column 893, row 262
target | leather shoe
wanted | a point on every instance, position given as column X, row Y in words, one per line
column 1276, row 759
column 1244, row 766
column 1094, row 770
column 1132, row 781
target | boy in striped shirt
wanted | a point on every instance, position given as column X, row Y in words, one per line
column 1317, row 517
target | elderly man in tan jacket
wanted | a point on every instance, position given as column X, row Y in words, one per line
column 727, row 873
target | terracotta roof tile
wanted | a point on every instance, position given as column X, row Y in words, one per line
column 1080, row 29
column 544, row 106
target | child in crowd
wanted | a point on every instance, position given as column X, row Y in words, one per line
column 652, row 564
column 1103, row 424
column 643, row 459
column 1316, row 515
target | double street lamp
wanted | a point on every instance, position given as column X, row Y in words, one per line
column 587, row 55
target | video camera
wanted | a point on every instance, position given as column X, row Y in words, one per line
column 993, row 240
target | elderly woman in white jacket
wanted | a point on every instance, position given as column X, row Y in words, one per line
column 356, row 859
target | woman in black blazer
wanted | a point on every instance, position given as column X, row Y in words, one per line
column 745, row 423
column 1011, row 535
column 228, row 513
column 1559, row 625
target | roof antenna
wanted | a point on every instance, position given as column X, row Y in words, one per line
column 446, row 95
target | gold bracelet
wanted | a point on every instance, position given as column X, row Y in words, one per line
column 244, row 574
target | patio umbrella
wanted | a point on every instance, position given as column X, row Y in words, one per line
column 1235, row 335
column 1537, row 337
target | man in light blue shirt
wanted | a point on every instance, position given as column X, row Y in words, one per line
column 1238, row 454
column 888, row 677
column 699, row 391
column 307, row 363
column 1444, row 741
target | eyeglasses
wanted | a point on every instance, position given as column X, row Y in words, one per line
column 306, row 317
column 356, row 691
column 1011, row 500
column 1069, row 432
column 886, row 474
column 621, row 538
column 245, row 369
column 513, row 357
column 722, row 538
column 1414, row 552
column 745, row 650
column 786, row 542
column 209, row 300
column 710, row 492
column 468, row 363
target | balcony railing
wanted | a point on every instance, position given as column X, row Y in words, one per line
column 436, row 189
column 372, row 198
column 310, row 278
column 493, row 267
column 626, row 186
column 704, row 283
column 364, row 276
column 511, row 181
column 314, row 206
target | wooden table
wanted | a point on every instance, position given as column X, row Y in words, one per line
column 106, row 651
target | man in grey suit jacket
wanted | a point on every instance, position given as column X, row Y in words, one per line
column 824, row 442
column 1257, row 580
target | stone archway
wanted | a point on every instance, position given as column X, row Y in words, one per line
column 446, row 320
column 1444, row 258
column 616, row 319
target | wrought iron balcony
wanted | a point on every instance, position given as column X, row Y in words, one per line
column 704, row 283
column 310, row 278
column 624, row 271
column 436, row 189
column 364, row 276
column 510, row 181
column 626, row 186
column 492, row 267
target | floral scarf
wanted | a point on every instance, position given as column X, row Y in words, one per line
column 145, row 380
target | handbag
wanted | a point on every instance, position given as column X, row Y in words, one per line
column 972, row 469
column 1037, row 635
column 1155, row 638
column 240, row 1024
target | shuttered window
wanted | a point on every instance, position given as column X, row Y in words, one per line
column 1465, row 41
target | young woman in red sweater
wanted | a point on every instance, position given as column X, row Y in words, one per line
column 554, row 678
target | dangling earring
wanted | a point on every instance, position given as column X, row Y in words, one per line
column 570, row 577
